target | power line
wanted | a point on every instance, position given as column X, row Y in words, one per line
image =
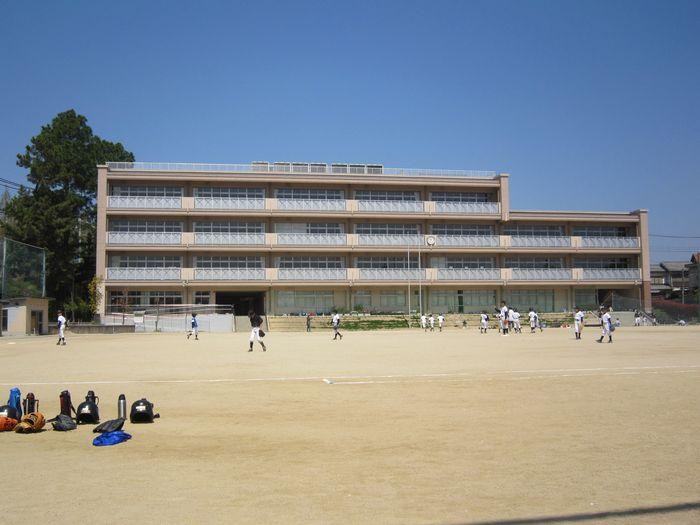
column 674, row 236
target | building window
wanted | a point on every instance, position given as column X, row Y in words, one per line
column 380, row 195
column 166, row 297
column 388, row 261
column 601, row 262
column 362, row 298
column 392, row 299
column 141, row 226
column 305, row 261
column 309, row 227
column 229, row 261
column 145, row 261
column 319, row 301
column 309, row 194
column 463, row 301
column 374, row 228
column 534, row 262
column 456, row 261
column 600, row 231
column 533, row 230
column 586, row 299
column 540, row 300
column 146, row 191
column 229, row 193
column 202, row 297
column 461, row 229
column 458, row 196
column 228, row 227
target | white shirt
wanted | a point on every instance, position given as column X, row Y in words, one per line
column 423, row 319
column 61, row 321
column 336, row 319
column 532, row 316
column 441, row 319
column 578, row 316
column 606, row 319
column 504, row 312
column 511, row 315
column 484, row 318
column 432, row 320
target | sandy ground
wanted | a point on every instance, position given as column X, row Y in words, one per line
column 452, row 427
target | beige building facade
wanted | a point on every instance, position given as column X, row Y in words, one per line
column 292, row 238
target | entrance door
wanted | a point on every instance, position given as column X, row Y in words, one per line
column 36, row 322
column 243, row 302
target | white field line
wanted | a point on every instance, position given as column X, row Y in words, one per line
column 399, row 378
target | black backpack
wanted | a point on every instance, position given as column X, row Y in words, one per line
column 87, row 411
column 63, row 423
column 8, row 411
column 142, row 412
column 109, row 426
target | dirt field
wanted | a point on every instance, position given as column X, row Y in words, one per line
column 452, row 427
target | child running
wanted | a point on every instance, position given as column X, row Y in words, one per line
column 484, row 325
column 431, row 321
column 441, row 319
column 336, row 326
column 606, row 326
column 424, row 322
column 194, row 328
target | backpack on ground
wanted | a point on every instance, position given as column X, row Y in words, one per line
column 13, row 409
column 109, row 426
column 87, row 411
column 63, row 423
column 142, row 412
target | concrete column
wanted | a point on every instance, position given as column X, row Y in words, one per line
column 101, row 233
column 504, row 195
column 645, row 257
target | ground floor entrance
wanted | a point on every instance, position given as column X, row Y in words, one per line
column 242, row 302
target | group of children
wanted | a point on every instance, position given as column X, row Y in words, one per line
column 427, row 322
column 509, row 319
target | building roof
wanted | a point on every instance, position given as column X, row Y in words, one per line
column 673, row 266
column 695, row 258
column 656, row 268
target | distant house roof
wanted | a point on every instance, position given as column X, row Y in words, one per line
column 673, row 266
column 656, row 268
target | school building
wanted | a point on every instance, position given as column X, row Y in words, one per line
column 295, row 237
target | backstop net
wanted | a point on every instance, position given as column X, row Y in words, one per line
column 22, row 269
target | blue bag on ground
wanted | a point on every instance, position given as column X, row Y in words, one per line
column 111, row 438
column 15, row 402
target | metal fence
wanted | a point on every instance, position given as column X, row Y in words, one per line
column 23, row 270
column 172, row 318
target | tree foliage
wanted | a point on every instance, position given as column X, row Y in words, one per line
column 59, row 212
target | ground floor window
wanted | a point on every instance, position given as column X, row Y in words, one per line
column 462, row 301
column 586, row 299
column 319, row 301
column 540, row 300
column 392, row 299
column 362, row 299
column 202, row 297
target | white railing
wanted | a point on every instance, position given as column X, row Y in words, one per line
column 225, row 203
column 143, row 274
column 312, row 274
column 311, row 204
column 315, row 239
column 477, row 241
column 542, row 274
column 390, row 240
column 609, row 242
column 232, row 239
column 525, row 241
column 285, row 167
column 144, row 238
column 229, row 274
column 469, row 274
column 481, row 208
column 611, row 274
column 391, row 274
column 145, row 202
column 391, row 206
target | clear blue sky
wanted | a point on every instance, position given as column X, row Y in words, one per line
column 588, row 104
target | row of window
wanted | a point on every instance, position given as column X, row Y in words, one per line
column 374, row 261
column 369, row 228
column 296, row 193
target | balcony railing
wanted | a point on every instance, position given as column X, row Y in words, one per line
column 312, row 274
column 609, row 242
column 229, row 274
column 286, row 167
column 315, row 239
column 476, row 241
column 311, row 204
column 391, row 206
column 480, row 208
column 145, row 202
column 391, row 274
column 232, row 239
column 144, row 238
column 143, row 274
column 218, row 203
column 390, row 240
column 468, row 274
column 525, row 241
column 542, row 274
column 611, row 274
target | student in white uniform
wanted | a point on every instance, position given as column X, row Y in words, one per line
column 336, row 326
column 61, row 329
column 511, row 320
column 431, row 321
column 424, row 322
column 606, row 326
column 516, row 321
column 533, row 320
column 484, row 325
column 637, row 318
column 578, row 322
column 441, row 320
column 504, row 317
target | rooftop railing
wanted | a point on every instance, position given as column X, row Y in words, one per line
column 297, row 168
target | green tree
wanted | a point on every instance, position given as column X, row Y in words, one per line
column 59, row 213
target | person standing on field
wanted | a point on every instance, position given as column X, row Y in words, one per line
column 441, row 320
column 61, row 329
column 336, row 326
column 256, row 333
column 516, row 321
column 606, row 326
column 533, row 320
column 484, row 325
column 578, row 322
column 424, row 322
column 431, row 321
column 504, row 317
column 195, row 328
